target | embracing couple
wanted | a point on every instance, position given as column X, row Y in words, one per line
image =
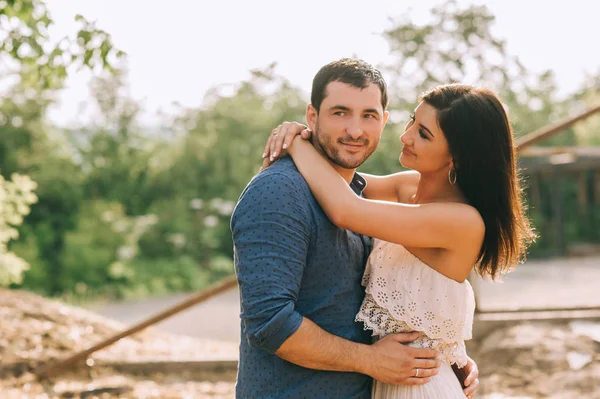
column 355, row 285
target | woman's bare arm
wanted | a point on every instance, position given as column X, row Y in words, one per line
column 435, row 225
column 394, row 187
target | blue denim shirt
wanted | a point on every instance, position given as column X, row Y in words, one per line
column 292, row 262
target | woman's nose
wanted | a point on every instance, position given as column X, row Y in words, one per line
column 404, row 138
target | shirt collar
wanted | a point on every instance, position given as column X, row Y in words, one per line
column 358, row 184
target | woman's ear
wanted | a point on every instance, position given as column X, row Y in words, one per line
column 454, row 164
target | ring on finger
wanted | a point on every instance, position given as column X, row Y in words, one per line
column 417, row 373
column 275, row 133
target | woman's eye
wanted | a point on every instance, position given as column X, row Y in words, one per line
column 423, row 135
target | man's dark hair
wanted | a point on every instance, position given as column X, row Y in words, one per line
column 351, row 71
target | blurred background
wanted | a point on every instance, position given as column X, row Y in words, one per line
column 128, row 129
column 138, row 160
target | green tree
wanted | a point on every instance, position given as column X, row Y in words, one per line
column 457, row 45
column 113, row 152
column 33, row 67
column 37, row 61
column 215, row 155
column 16, row 197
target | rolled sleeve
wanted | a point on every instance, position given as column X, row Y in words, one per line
column 271, row 235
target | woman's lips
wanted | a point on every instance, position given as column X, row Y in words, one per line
column 407, row 151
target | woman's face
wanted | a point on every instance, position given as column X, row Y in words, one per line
column 425, row 148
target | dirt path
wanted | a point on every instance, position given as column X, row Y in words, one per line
column 216, row 319
column 557, row 283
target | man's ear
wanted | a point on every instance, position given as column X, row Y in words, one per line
column 311, row 117
column 386, row 115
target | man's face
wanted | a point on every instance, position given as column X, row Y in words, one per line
column 348, row 127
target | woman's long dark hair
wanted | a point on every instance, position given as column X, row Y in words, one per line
column 480, row 138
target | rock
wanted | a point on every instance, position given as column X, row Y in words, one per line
column 578, row 360
column 538, row 360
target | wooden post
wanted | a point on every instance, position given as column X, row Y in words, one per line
column 535, row 190
column 596, row 190
column 48, row 370
column 593, row 202
column 583, row 195
column 558, row 219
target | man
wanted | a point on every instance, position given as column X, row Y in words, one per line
column 299, row 274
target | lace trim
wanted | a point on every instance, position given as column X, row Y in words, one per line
column 418, row 295
column 381, row 322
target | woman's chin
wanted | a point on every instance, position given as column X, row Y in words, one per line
column 403, row 161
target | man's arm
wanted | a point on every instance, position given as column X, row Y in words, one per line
column 388, row 360
column 271, row 232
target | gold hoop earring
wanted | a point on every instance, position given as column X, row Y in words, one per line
column 452, row 179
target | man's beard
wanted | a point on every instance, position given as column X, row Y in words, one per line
column 325, row 146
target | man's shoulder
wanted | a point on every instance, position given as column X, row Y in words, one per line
column 279, row 185
column 281, row 180
column 283, row 174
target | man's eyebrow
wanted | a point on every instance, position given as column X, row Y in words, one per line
column 340, row 107
column 372, row 111
column 344, row 108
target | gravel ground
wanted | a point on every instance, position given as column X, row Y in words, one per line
column 555, row 360
column 35, row 330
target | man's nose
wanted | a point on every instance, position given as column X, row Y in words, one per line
column 355, row 129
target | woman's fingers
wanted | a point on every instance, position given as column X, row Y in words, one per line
column 472, row 388
column 284, row 137
column 306, row 134
column 273, row 145
column 289, row 138
column 281, row 138
column 266, row 163
column 267, row 150
column 277, row 146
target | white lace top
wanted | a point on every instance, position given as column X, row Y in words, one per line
column 404, row 294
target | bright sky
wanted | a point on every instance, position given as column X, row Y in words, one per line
column 178, row 49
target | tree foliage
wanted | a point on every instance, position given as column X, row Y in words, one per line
column 38, row 62
column 125, row 210
column 33, row 67
column 16, row 197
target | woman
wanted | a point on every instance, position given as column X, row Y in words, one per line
column 460, row 209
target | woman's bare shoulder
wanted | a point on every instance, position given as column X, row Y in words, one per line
column 407, row 185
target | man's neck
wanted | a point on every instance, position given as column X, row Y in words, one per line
column 347, row 174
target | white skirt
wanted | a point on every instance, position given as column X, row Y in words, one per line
column 444, row 385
